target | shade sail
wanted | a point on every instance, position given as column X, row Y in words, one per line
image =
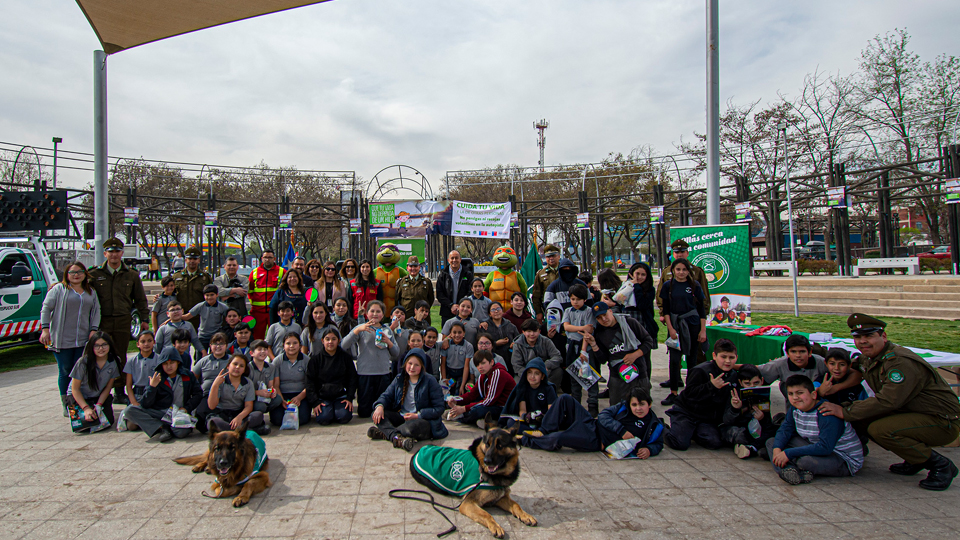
column 122, row 24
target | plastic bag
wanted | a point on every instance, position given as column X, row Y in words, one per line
column 103, row 424
column 583, row 373
column 624, row 293
column 382, row 332
column 622, row 448
column 122, row 420
column 672, row 343
column 179, row 418
column 291, row 418
column 262, row 399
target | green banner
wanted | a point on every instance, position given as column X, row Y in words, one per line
column 382, row 214
column 407, row 247
column 723, row 251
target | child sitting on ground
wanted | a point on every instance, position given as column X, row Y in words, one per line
column 568, row 424
column 484, row 343
column 278, row 331
column 698, row 411
column 835, row 386
column 488, row 396
column 809, row 443
column 531, row 398
column 747, row 424
column 170, row 384
column 140, row 368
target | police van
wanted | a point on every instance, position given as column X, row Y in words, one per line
column 26, row 274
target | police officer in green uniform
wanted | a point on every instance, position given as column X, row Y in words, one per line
column 119, row 290
column 190, row 282
column 913, row 409
column 544, row 277
column 680, row 250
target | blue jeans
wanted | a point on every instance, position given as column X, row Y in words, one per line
column 66, row 358
column 334, row 411
column 478, row 413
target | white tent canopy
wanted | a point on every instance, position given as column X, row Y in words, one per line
column 122, row 24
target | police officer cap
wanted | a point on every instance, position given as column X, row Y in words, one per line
column 861, row 324
column 550, row 249
column 599, row 308
column 680, row 245
column 192, row 251
column 112, row 244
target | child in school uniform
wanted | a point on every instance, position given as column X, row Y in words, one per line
column 139, row 368
column 373, row 345
column 241, row 341
column 264, row 377
column 278, row 331
column 331, row 381
column 489, row 395
column 206, row 370
column 809, row 443
column 175, row 322
column 158, row 313
column 432, row 351
column 747, row 426
column 455, row 357
column 211, row 313
column 481, row 304
column 170, row 384
column 92, row 378
column 341, row 316
column 291, row 377
column 231, row 399
column 578, row 319
column 699, row 408
column 469, row 323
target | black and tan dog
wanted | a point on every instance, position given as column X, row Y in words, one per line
column 239, row 461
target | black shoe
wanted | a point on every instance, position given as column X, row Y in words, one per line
column 164, row 436
column 666, row 384
column 942, row 473
column 794, row 475
column 263, row 430
column 399, row 441
column 906, row 469
column 375, row 434
column 605, row 394
column 119, row 398
column 670, row 400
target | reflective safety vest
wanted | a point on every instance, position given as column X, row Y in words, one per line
column 503, row 286
column 362, row 295
column 263, row 285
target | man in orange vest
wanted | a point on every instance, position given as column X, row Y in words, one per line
column 264, row 281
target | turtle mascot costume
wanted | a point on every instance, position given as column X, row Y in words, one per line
column 389, row 273
column 504, row 281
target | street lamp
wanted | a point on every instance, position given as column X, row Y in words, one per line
column 793, row 243
column 56, row 141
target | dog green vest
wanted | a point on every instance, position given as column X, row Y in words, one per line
column 261, row 448
column 452, row 471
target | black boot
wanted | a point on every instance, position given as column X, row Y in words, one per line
column 906, row 468
column 942, row 473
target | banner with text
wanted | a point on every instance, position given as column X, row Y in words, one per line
column 480, row 220
column 723, row 251
column 131, row 216
column 404, row 218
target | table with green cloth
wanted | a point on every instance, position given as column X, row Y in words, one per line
column 754, row 350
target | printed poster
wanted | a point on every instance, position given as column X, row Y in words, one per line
column 286, row 222
column 723, row 251
column 656, row 215
column 583, row 221
column 480, row 220
column 211, row 219
column 355, row 226
column 836, row 197
column 131, row 216
column 953, row 190
column 743, row 212
column 514, row 220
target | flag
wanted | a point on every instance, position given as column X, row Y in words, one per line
column 289, row 257
column 531, row 263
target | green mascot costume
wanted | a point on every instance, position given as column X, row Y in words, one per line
column 389, row 273
column 503, row 282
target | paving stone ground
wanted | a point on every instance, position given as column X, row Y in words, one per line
column 332, row 482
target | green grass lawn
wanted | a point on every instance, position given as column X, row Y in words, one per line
column 927, row 334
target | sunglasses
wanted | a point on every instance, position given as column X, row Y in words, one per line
column 350, row 267
column 330, row 269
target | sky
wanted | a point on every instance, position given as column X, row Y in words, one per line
column 436, row 85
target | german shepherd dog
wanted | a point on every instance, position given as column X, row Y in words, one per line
column 499, row 457
column 231, row 457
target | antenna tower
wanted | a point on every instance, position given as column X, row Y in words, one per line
column 541, row 126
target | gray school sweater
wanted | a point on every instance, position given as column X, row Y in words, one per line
column 370, row 359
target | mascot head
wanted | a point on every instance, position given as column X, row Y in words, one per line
column 388, row 256
column 505, row 258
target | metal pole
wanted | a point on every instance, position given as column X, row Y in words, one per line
column 56, row 141
column 793, row 242
column 101, row 222
column 713, row 113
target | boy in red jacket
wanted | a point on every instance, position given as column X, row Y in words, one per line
column 488, row 396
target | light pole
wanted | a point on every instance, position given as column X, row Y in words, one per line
column 56, row 141
column 793, row 243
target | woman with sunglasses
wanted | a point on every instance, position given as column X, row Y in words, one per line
column 331, row 286
column 349, row 270
column 69, row 317
column 315, row 270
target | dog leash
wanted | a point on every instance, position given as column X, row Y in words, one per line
column 433, row 502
